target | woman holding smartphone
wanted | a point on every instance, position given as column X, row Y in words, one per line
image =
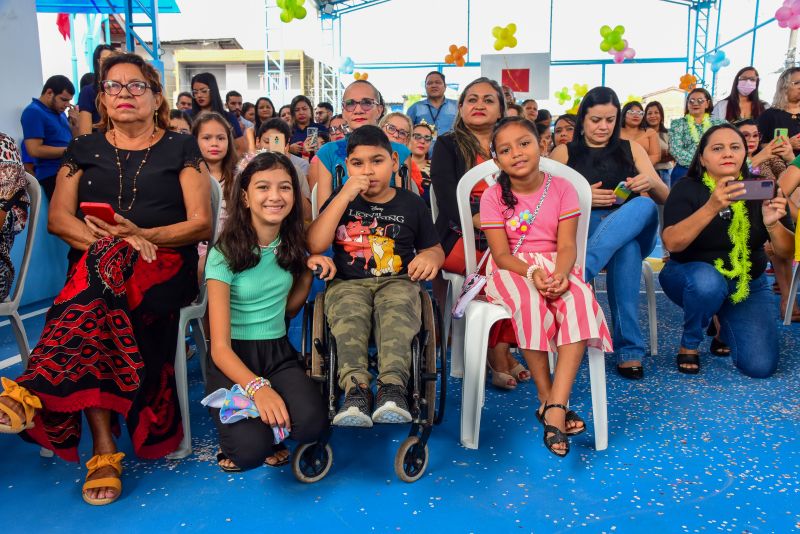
column 717, row 261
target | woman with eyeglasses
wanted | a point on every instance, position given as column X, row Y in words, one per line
column 785, row 111
column 419, row 142
column 634, row 128
column 685, row 133
column 717, row 260
column 397, row 127
column 108, row 346
column 180, row 121
column 362, row 104
column 338, row 128
column 624, row 220
column 206, row 97
column 743, row 101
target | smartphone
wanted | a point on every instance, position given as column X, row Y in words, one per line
column 781, row 132
column 277, row 144
column 622, row 193
column 758, row 189
column 312, row 132
column 101, row 210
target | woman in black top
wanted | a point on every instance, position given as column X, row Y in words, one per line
column 621, row 232
column 717, row 258
column 108, row 345
column 785, row 110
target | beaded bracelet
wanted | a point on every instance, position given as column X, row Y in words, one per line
column 254, row 385
column 531, row 271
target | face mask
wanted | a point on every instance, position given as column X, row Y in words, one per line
column 746, row 87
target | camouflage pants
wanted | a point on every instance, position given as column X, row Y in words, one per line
column 391, row 306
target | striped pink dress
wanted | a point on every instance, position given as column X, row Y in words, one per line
column 539, row 323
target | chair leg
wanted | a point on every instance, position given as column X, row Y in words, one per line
column 457, row 329
column 474, row 382
column 182, row 386
column 199, row 337
column 787, row 317
column 652, row 317
column 597, row 379
column 21, row 337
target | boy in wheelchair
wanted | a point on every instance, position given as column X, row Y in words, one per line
column 383, row 245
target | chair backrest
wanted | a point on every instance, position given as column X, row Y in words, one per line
column 434, row 205
column 488, row 171
column 314, row 203
column 216, row 229
column 35, row 195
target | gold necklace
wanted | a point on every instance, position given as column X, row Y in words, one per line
column 135, row 176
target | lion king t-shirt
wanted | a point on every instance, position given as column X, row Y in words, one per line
column 375, row 240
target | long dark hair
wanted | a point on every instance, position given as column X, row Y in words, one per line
column 239, row 241
column 231, row 157
column 274, row 112
column 467, row 143
column 696, row 168
column 629, row 106
column 598, row 97
column 210, row 80
column 509, row 199
column 756, row 105
column 95, row 74
column 656, row 104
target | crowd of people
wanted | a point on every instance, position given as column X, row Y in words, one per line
column 129, row 185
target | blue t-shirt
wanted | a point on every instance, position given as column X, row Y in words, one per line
column 335, row 153
column 443, row 118
column 87, row 101
column 41, row 122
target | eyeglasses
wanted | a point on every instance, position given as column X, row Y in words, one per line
column 365, row 103
column 180, row 130
column 635, row 113
column 697, row 101
column 344, row 129
column 196, row 92
column 748, row 78
column 113, row 88
column 422, row 137
column 394, row 130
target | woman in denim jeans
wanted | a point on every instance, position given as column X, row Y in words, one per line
column 717, row 258
column 622, row 231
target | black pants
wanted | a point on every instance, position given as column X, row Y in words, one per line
column 249, row 442
column 49, row 186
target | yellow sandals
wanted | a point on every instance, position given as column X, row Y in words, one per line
column 98, row 462
column 30, row 403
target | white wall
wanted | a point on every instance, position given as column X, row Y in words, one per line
column 22, row 64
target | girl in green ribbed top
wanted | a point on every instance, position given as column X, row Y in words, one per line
column 258, row 274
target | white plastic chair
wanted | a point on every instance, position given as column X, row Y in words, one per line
column 194, row 312
column 787, row 317
column 10, row 306
column 481, row 315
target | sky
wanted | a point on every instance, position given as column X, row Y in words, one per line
column 422, row 31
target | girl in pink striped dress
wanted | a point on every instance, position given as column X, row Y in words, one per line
column 552, row 308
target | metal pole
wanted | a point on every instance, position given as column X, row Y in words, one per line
column 603, row 74
column 716, row 43
column 688, row 36
column 75, row 80
column 107, row 20
column 790, row 53
column 469, row 27
column 129, row 26
column 156, row 44
column 755, row 30
column 550, row 33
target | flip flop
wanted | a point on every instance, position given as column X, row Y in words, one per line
column 222, row 456
column 276, row 449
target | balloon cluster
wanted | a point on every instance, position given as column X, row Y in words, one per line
column 562, row 95
column 688, row 82
column 718, row 60
column 632, row 98
column 580, row 90
column 292, row 9
column 456, row 55
column 504, row 37
column 360, row 75
column 788, row 15
column 626, row 53
column 347, row 66
column 612, row 38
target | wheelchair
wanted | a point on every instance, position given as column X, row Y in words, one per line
column 426, row 390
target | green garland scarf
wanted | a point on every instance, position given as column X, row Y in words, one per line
column 695, row 135
column 739, row 234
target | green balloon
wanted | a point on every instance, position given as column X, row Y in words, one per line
column 605, row 30
column 605, row 46
column 620, row 46
column 281, row 4
column 619, row 29
column 300, row 12
column 286, row 16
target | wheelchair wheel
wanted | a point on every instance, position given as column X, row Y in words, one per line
column 311, row 462
column 318, row 331
column 434, row 361
column 411, row 459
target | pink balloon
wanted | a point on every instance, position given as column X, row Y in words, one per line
column 783, row 14
column 794, row 22
column 629, row 53
column 794, row 7
column 618, row 58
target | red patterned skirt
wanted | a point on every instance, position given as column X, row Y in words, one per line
column 109, row 342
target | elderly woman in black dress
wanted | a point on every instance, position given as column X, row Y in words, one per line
column 108, row 345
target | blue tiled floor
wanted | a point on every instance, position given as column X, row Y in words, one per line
column 713, row 453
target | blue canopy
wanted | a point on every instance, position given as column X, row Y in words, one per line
column 103, row 6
